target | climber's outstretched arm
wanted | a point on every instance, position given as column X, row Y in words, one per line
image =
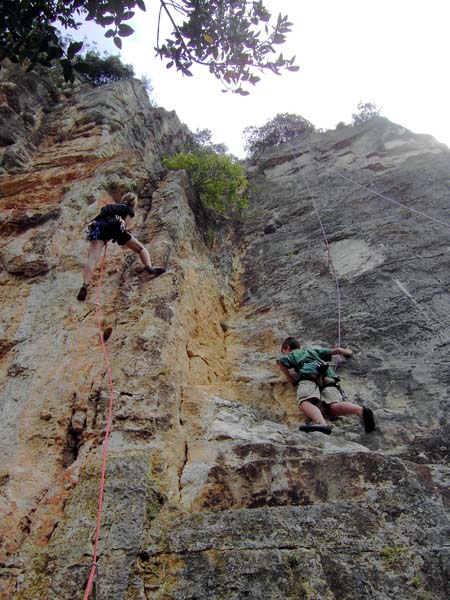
column 286, row 373
column 342, row 352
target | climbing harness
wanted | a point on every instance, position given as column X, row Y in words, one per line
column 320, row 377
column 111, row 228
column 90, row 582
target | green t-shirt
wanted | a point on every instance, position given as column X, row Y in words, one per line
column 304, row 361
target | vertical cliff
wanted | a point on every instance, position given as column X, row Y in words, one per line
column 211, row 490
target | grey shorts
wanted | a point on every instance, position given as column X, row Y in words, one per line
column 309, row 390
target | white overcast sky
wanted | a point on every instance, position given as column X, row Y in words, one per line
column 391, row 52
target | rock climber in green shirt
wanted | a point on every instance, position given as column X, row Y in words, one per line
column 318, row 385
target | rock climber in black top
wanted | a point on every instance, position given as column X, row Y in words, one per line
column 111, row 225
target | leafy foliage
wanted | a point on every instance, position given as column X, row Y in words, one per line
column 232, row 38
column 100, row 70
column 282, row 128
column 28, row 32
column 148, row 85
column 220, row 180
column 366, row 112
column 201, row 141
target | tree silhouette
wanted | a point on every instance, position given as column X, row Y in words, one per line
column 233, row 39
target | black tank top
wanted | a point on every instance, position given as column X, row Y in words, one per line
column 113, row 210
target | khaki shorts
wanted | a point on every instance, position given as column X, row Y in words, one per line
column 309, row 390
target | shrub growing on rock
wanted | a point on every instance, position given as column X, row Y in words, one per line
column 366, row 112
column 201, row 141
column 100, row 70
column 282, row 128
column 219, row 179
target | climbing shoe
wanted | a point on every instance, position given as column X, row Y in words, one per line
column 311, row 427
column 107, row 334
column 82, row 293
column 368, row 420
column 155, row 271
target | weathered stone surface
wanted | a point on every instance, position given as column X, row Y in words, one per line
column 211, row 491
column 338, row 550
column 24, row 101
column 391, row 265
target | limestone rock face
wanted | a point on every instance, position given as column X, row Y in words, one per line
column 211, row 491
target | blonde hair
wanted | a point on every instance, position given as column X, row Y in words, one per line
column 130, row 200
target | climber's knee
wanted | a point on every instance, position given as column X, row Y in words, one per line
column 135, row 245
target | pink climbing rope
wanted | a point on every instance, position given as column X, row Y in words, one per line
column 107, row 433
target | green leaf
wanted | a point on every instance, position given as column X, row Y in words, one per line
column 110, row 33
column 103, row 21
column 278, row 38
column 118, row 42
column 141, row 4
column 125, row 30
column 73, row 49
column 54, row 52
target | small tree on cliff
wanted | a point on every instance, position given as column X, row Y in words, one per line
column 233, row 39
column 201, row 141
column 366, row 112
column 280, row 129
column 100, row 70
column 219, row 180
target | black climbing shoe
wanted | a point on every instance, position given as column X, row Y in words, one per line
column 314, row 427
column 107, row 334
column 369, row 420
column 82, row 293
column 155, row 270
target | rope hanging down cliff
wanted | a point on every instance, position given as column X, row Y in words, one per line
column 330, row 260
column 396, row 202
column 107, row 432
column 371, row 191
